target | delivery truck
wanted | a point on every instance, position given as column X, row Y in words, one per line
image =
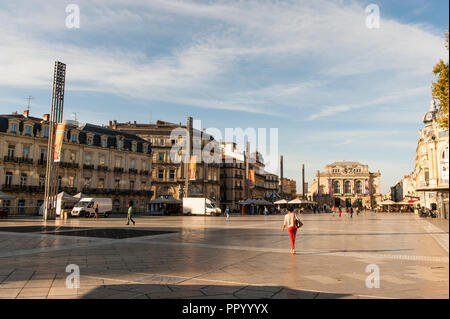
column 86, row 207
column 200, row 206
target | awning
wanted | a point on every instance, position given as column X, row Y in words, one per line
column 281, row 201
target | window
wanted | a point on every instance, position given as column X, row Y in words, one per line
column 90, row 140
column 161, row 141
column 131, row 185
column 26, row 152
column 347, row 187
column 45, row 131
column 337, row 187
column 119, row 143
column 118, row 163
column 172, row 174
column 101, row 183
column 161, row 156
column 117, row 183
column 160, row 173
column 144, row 165
column 62, row 156
column 27, row 130
column 11, row 149
column 359, row 189
column 71, row 181
column 133, row 147
column 13, row 128
column 43, row 154
column 87, row 182
column 143, row 185
column 426, row 174
column 74, row 138
column 23, row 179
column 88, row 159
column 41, row 181
column 132, row 163
column 8, row 179
column 59, row 182
column 101, row 160
column 104, row 142
column 73, row 157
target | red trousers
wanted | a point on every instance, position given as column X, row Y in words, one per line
column 292, row 233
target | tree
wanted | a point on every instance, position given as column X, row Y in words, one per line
column 440, row 88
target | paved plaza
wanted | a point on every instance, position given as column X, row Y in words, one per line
column 208, row 257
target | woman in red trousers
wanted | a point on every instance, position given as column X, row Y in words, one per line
column 290, row 222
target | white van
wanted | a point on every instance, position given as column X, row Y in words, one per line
column 86, row 207
column 200, row 206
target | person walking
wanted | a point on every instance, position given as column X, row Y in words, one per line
column 265, row 210
column 130, row 214
column 292, row 222
column 340, row 211
column 351, row 212
column 357, row 211
column 333, row 210
column 227, row 212
column 96, row 211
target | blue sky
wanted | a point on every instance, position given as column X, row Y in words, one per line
column 335, row 89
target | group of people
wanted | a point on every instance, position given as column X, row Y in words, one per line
column 348, row 210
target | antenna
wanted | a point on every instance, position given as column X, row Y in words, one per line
column 29, row 98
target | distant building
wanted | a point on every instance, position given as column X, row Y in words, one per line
column 97, row 161
column 431, row 176
column 347, row 183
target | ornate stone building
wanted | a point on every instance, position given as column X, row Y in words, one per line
column 97, row 161
column 430, row 174
column 347, row 183
column 168, row 176
column 232, row 176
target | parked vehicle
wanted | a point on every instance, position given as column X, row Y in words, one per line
column 86, row 207
column 200, row 206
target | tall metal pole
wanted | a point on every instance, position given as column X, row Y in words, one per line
column 189, row 148
column 303, row 181
column 318, row 188
column 56, row 116
column 247, row 168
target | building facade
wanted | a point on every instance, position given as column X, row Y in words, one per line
column 232, row 177
column 168, row 175
column 430, row 176
column 96, row 161
column 345, row 184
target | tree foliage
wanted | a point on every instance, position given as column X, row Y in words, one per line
column 440, row 89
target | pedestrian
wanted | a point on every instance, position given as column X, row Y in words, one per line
column 227, row 211
column 340, row 211
column 314, row 210
column 333, row 210
column 130, row 213
column 292, row 222
column 265, row 210
column 96, row 211
column 357, row 211
column 351, row 212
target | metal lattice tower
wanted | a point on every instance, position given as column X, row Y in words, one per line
column 56, row 116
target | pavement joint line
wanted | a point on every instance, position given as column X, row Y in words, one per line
column 436, row 233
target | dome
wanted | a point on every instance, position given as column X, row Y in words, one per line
column 431, row 114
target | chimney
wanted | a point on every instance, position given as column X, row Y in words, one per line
column 26, row 112
column 46, row 117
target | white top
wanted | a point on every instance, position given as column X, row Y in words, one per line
column 289, row 219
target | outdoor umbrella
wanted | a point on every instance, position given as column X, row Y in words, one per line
column 281, row 201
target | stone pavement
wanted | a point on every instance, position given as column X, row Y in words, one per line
column 208, row 257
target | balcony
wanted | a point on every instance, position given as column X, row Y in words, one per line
column 23, row 188
column 144, row 172
column 25, row 160
column 102, row 168
column 42, row 162
column 88, row 166
column 116, row 191
column 132, row 171
column 118, row 170
column 238, row 175
column 10, row 159
column 68, row 165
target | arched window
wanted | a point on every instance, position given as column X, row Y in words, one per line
column 358, row 187
column 348, row 187
column 337, row 187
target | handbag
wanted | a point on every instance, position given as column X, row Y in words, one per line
column 297, row 223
